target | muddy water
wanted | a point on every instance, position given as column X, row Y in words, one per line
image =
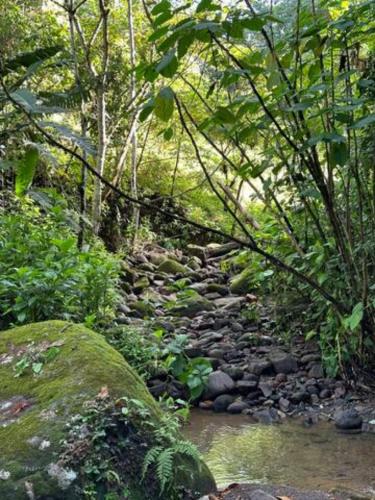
column 317, row 457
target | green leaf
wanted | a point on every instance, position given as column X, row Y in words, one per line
column 168, row 134
column 184, row 43
column 356, row 317
column 364, row 122
column 339, row 153
column 253, row 23
column 80, row 141
column 223, row 115
column 164, row 104
column 163, row 6
column 206, row 5
column 37, row 368
column 29, row 58
column 168, row 65
column 148, row 108
column 158, row 34
column 26, row 170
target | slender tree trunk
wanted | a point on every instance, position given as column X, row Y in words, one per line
column 134, row 142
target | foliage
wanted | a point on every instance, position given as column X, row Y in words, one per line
column 44, row 275
column 112, row 435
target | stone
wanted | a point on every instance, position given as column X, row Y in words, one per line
column 283, row 362
column 222, row 402
column 261, row 495
column 316, row 371
column 308, row 358
column 35, row 408
column 193, row 351
column 266, row 389
column 242, row 283
column 170, row 266
column 141, row 283
column 348, row 419
column 267, row 416
column 246, row 386
column 284, row 404
column 216, row 353
column 191, row 306
column 237, row 407
column 235, row 372
column 217, row 288
column 218, row 383
column 258, row 367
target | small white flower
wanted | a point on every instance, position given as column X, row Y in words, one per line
column 4, row 474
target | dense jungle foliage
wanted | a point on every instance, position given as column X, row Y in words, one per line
column 129, row 122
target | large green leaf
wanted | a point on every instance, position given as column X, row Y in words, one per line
column 364, row 122
column 25, row 170
column 168, row 65
column 82, row 142
column 164, row 104
column 29, row 58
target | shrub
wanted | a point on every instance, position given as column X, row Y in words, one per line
column 44, row 275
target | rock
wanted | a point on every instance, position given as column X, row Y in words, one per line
column 308, row 358
column 216, row 353
column 283, row 362
column 267, row 416
column 141, row 284
column 258, row 367
column 193, row 351
column 170, row 266
column 191, row 306
column 266, row 389
column 217, row 288
column 206, row 405
column 237, row 407
column 348, row 419
column 234, row 372
column 222, row 402
column 242, row 283
column 246, row 386
column 316, row 371
column 284, row 404
column 218, row 383
column 230, row 303
column 196, row 251
column 141, row 309
column 300, row 395
column 35, row 408
column 261, row 495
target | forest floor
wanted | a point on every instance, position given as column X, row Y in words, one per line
column 254, row 370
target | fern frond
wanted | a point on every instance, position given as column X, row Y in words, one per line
column 150, row 458
column 164, row 468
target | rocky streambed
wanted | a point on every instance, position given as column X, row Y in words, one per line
column 254, row 371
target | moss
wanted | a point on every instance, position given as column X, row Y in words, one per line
column 170, row 266
column 191, row 306
column 84, row 364
column 242, row 283
column 41, row 405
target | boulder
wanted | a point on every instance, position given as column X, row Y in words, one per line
column 171, row 266
column 316, row 371
column 49, row 372
column 222, row 402
column 283, row 362
column 191, row 306
column 218, row 383
column 242, row 283
column 348, row 420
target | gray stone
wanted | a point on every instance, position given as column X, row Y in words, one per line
column 348, row 419
column 283, row 362
column 261, row 495
column 259, row 366
column 218, row 383
column 316, row 371
column 266, row 389
column 222, row 402
column 267, row 416
column 246, row 386
column 237, row 407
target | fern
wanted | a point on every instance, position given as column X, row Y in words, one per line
column 150, row 458
column 164, row 467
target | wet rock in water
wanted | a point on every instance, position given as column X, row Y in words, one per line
column 283, row 362
column 348, row 420
column 237, row 407
column 170, row 266
column 222, row 402
column 35, row 408
column 267, row 416
column 218, row 383
column 206, row 405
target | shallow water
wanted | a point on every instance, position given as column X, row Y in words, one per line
column 317, row 457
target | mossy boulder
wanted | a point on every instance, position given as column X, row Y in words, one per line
column 171, row 266
column 191, row 306
column 242, row 283
column 60, row 367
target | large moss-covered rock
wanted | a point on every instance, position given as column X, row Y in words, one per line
column 191, row 306
column 171, row 266
column 71, row 366
column 242, row 283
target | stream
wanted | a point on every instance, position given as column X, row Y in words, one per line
column 316, row 457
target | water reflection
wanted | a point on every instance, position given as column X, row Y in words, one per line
column 313, row 458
